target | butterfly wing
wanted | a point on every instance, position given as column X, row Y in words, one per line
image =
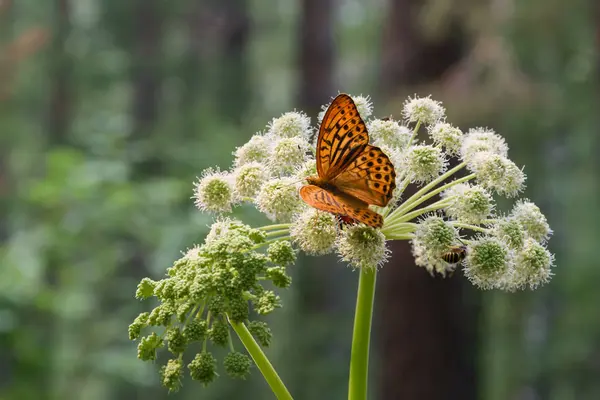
column 341, row 204
column 370, row 177
column 342, row 137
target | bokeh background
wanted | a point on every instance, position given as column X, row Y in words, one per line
column 109, row 109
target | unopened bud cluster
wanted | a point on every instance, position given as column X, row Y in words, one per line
column 218, row 282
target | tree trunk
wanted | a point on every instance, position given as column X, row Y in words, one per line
column 426, row 327
column 316, row 56
column 319, row 285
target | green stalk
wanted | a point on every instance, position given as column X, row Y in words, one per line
column 275, row 226
column 261, row 361
column 359, row 359
column 426, row 189
column 278, row 232
column 471, row 227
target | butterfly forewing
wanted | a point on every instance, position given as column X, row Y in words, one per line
column 369, row 177
column 342, row 137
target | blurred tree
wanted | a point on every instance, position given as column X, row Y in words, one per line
column 427, row 329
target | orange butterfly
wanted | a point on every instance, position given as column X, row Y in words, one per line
column 351, row 173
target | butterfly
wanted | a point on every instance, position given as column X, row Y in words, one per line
column 352, row 174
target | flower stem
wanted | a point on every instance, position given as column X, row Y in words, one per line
column 426, row 189
column 261, row 361
column 275, row 226
column 278, row 232
column 471, row 227
column 359, row 359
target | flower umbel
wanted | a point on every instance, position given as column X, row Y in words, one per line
column 236, row 274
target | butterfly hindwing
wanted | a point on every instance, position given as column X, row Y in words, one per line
column 342, row 137
column 340, row 204
column 320, row 198
column 370, row 177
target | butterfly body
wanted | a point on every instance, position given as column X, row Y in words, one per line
column 351, row 173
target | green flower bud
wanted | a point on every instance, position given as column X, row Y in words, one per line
column 171, row 375
column 278, row 276
column 148, row 346
column 238, row 309
column 237, row 365
column 203, row 368
column 488, row 260
column 423, row 109
column 137, row 325
column 362, row 246
column 213, row 192
column 165, row 289
column 145, row 289
column 176, row 339
column 219, row 332
column 216, row 305
column 267, row 302
column 195, row 331
column 281, row 253
column 278, row 199
column 261, row 332
column 161, row 315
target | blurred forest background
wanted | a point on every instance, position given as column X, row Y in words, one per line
column 109, row 109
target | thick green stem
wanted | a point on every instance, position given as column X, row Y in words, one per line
column 261, row 361
column 359, row 359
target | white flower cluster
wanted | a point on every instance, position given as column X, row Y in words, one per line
column 508, row 253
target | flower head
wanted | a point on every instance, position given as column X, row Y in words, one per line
column 278, row 199
column 423, row 109
column 482, row 140
column 255, row 150
column 469, row 204
column 315, row 232
column 488, row 260
column 288, row 154
column 448, row 136
column 529, row 216
column 249, row 178
column 433, row 238
column 214, row 191
column 389, row 133
column 423, row 163
column 499, row 174
column 362, row 246
column 510, row 231
column 291, row 124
